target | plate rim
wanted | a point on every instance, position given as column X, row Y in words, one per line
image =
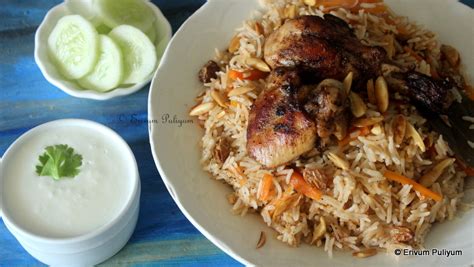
column 152, row 128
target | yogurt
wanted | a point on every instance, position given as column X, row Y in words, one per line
column 68, row 207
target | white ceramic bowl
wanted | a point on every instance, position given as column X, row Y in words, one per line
column 203, row 200
column 49, row 71
column 93, row 247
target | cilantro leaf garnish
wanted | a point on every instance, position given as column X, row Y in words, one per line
column 59, row 161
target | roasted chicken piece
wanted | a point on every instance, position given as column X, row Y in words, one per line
column 328, row 105
column 287, row 118
column 426, row 93
column 324, row 48
column 278, row 130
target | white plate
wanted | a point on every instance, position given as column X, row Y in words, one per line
column 203, row 200
column 49, row 71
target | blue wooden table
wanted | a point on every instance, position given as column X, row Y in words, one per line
column 163, row 235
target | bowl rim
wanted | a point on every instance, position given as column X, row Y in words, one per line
column 88, row 93
column 120, row 216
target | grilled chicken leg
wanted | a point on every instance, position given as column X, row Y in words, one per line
column 325, row 48
column 287, row 119
column 278, row 130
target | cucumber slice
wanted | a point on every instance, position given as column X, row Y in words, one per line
column 136, row 13
column 74, row 46
column 84, row 8
column 107, row 74
column 138, row 52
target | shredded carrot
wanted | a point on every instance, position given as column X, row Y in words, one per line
column 402, row 30
column 370, row 1
column 301, row 186
column 243, row 180
column 468, row 170
column 239, row 170
column 267, row 186
column 337, row 3
column 412, row 53
column 353, row 135
column 247, row 75
column 416, row 186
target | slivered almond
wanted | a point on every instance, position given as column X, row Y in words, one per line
column 371, row 92
column 219, row 98
column 239, row 91
column 358, row 106
column 258, row 64
column 220, row 114
column 261, row 240
column 365, row 253
column 341, row 130
column 348, row 82
column 376, row 129
column 364, row 122
column 430, row 177
column 310, row 2
column 399, row 125
column 258, row 28
column 381, row 94
column 338, row 161
column 234, row 44
column 319, row 230
column 331, row 82
column 201, row 109
column 290, row 11
column 413, row 133
column 283, row 204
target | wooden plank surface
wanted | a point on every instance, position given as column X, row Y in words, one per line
column 163, row 235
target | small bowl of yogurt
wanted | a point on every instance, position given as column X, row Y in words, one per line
column 69, row 192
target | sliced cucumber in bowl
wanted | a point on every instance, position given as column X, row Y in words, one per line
column 136, row 13
column 138, row 51
column 71, row 63
column 85, row 8
column 73, row 46
column 108, row 72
